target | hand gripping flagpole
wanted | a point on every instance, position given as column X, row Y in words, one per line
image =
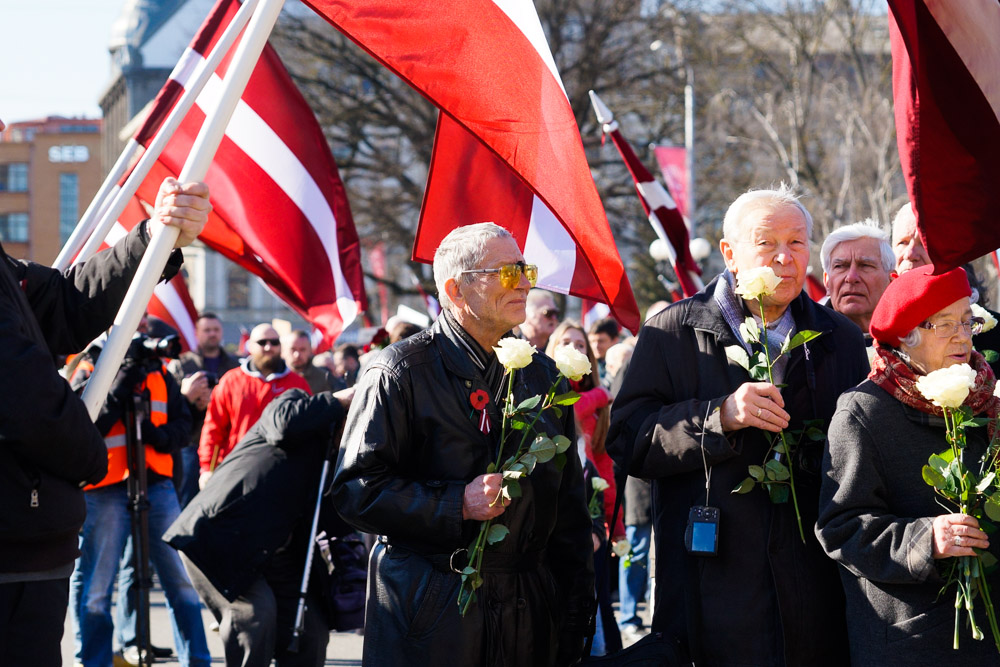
column 201, row 156
column 203, row 73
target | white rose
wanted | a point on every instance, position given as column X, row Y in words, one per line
column 990, row 321
column 622, row 548
column 514, row 353
column 599, row 484
column 948, row 387
column 996, row 390
column 757, row 282
column 572, row 363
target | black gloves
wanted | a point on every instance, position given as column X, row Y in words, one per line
column 155, row 436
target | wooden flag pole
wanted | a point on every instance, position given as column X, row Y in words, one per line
column 201, row 156
column 203, row 75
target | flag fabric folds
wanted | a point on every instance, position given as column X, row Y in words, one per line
column 946, row 56
column 662, row 212
column 507, row 148
column 280, row 210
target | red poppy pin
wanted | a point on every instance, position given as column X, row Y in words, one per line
column 479, row 399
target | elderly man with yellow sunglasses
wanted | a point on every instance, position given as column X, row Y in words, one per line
column 424, row 426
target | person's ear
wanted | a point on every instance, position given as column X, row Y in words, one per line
column 453, row 288
column 726, row 248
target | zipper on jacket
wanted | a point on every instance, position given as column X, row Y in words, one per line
column 34, row 498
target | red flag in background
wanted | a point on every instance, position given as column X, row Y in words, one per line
column 592, row 311
column 672, row 161
column 946, row 90
column 507, row 147
column 280, row 210
column 657, row 203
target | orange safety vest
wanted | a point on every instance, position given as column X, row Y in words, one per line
column 115, row 439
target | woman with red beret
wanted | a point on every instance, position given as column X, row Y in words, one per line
column 878, row 518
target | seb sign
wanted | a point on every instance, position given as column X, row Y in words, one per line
column 68, row 154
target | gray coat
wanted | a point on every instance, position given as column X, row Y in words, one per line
column 767, row 598
column 875, row 520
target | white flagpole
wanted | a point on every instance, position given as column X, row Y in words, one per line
column 202, row 76
column 158, row 251
column 85, row 228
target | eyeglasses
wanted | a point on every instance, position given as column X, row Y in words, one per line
column 264, row 342
column 947, row 329
column 550, row 313
column 510, row 274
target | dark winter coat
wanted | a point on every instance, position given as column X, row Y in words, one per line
column 187, row 365
column 411, row 444
column 766, row 598
column 264, row 489
column 48, row 444
column 875, row 520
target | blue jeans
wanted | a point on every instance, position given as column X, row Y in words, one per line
column 102, row 542
column 633, row 581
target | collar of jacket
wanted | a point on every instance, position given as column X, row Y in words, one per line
column 246, row 365
column 705, row 315
column 453, row 354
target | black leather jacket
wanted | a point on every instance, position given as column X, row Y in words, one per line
column 411, row 444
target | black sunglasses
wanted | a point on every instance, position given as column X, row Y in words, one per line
column 264, row 342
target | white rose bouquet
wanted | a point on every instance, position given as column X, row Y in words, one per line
column 514, row 354
column 777, row 472
column 971, row 492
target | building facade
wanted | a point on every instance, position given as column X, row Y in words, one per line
column 50, row 169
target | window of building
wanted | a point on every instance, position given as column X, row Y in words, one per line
column 14, row 177
column 237, row 287
column 69, row 208
column 14, row 227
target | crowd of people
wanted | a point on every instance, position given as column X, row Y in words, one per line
column 415, row 450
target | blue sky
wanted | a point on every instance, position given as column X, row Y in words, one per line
column 54, row 57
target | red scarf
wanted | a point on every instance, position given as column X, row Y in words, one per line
column 893, row 374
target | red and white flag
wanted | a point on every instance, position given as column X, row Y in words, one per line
column 280, row 210
column 659, row 206
column 591, row 312
column 946, row 89
column 507, row 148
column 672, row 161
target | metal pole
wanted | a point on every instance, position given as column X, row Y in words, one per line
column 158, row 251
column 203, row 74
column 138, row 498
column 689, row 146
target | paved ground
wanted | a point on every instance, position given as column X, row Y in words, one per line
column 344, row 648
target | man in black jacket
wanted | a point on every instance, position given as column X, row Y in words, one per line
column 413, row 470
column 244, row 536
column 690, row 418
column 48, row 444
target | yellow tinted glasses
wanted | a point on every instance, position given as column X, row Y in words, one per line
column 510, row 274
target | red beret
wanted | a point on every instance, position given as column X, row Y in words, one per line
column 912, row 298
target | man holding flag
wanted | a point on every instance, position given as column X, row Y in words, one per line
column 50, row 446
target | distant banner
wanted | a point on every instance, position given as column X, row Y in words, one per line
column 673, row 167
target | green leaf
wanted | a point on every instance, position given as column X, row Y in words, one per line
column 779, row 493
column 992, row 506
column 514, row 472
column 529, row 403
column 491, row 468
column 556, row 409
column 750, row 330
column 745, row 486
column 518, row 424
column 933, row 477
column 815, row 434
column 569, row 398
column 989, row 560
column 468, row 569
column 991, row 356
column 974, row 423
column 938, row 463
column 738, row 356
column 987, row 526
column 528, row 461
column 756, row 472
column 512, row 489
column 800, row 338
column 543, row 449
column 758, row 372
column 496, row 533
column 985, row 482
column 562, row 443
column 779, row 470
column 778, row 447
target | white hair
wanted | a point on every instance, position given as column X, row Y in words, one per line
column 911, row 339
column 866, row 229
column 784, row 195
column 462, row 249
column 905, row 212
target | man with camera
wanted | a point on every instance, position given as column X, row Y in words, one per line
column 197, row 372
column 165, row 426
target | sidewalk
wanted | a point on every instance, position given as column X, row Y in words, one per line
column 344, row 648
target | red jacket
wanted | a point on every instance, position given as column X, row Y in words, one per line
column 586, row 414
column 236, row 405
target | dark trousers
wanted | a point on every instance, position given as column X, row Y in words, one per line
column 32, row 615
column 257, row 626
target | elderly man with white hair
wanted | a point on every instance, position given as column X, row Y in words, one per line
column 857, row 267
column 413, row 469
column 690, row 418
